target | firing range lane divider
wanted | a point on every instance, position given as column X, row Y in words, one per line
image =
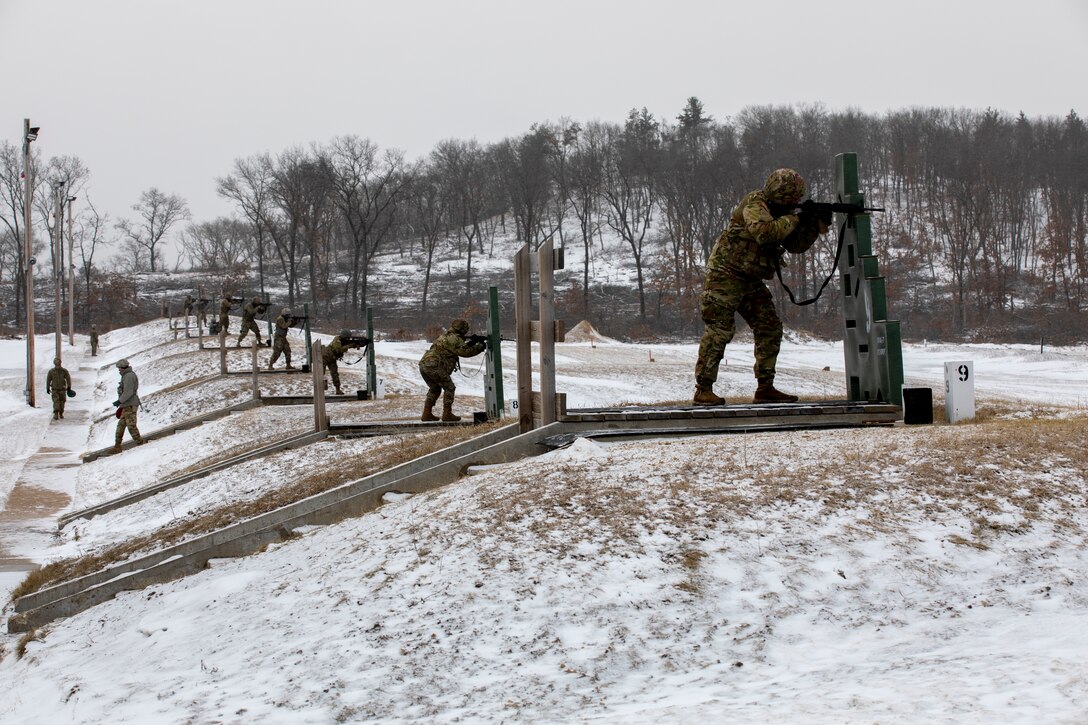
column 365, row 430
column 417, row 476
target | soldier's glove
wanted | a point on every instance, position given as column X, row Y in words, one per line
column 116, row 403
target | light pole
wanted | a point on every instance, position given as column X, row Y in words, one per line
column 29, row 134
column 71, row 280
column 58, row 256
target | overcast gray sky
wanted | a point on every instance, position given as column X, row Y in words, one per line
column 167, row 94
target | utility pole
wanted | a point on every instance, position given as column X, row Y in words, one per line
column 58, row 256
column 71, row 281
column 29, row 134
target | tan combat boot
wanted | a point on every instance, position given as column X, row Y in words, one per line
column 428, row 411
column 447, row 412
column 704, row 395
column 766, row 393
column 116, row 448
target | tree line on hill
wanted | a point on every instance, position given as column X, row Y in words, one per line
column 985, row 233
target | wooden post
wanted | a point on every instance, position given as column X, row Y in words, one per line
column 321, row 421
column 547, row 333
column 253, row 361
column 199, row 321
column 524, row 345
column 222, row 351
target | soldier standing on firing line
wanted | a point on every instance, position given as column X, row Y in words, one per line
column 760, row 230
column 437, row 366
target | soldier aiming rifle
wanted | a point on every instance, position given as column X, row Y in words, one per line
column 249, row 313
column 438, row 363
column 284, row 322
column 335, row 350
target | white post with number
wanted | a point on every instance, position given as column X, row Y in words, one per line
column 959, row 391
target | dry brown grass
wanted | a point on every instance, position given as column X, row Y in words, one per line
column 394, row 451
column 998, row 474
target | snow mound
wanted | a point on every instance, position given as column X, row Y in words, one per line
column 585, row 332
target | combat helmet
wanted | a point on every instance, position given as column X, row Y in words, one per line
column 344, row 334
column 459, row 326
column 256, row 300
column 784, row 186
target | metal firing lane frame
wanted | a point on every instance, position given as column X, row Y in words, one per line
column 872, row 344
column 493, row 394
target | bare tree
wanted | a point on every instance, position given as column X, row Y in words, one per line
column 156, row 214
column 221, row 244
column 88, row 235
column 249, row 186
column 367, row 185
column 12, row 208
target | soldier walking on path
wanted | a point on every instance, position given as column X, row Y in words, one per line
column 279, row 339
column 437, row 366
column 57, row 383
column 249, row 313
column 760, row 230
column 128, row 401
column 94, row 341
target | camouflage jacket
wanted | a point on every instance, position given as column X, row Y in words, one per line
column 57, row 379
column 282, row 326
column 755, row 239
column 224, row 307
column 443, row 355
column 126, row 389
column 250, row 311
column 333, row 351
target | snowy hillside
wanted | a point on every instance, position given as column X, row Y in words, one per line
column 906, row 574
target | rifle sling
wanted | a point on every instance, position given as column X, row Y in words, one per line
column 834, row 268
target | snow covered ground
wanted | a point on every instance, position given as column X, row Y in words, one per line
column 908, row 574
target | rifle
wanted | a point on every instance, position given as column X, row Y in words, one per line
column 824, row 209
column 354, row 341
column 485, row 339
column 237, row 300
column 298, row 321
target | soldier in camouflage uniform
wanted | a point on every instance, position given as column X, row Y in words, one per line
column 760, row 230
column 249, row 313
column 187, row 305
column 333, row 353
column 94, row 341
column 57, row 383
column 202, row 311
column 128, row 401
column 279, row 340
column 437, row 365
column 224, row 313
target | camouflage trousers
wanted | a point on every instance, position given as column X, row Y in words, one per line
column 224, row 323
column 280, row 345
column 94, row 349
column 753, row 302
column 127, row 420
column 438, row 382
column 246, row 328
column 334, row 372
column 59, row 398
